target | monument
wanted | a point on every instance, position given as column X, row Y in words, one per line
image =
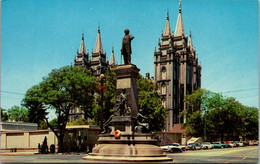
column 125, row 138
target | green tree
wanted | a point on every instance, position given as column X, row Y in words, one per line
column 150, row 103
column 63, row 89
column 250, row 123
column 197, row 115
column 110, row 94
column 17, row 113
column 54, row 123
column 109, row 97
column 42, row 125
column 36, row 109
column 216, row 117
column 4, row 115
column 80, row 121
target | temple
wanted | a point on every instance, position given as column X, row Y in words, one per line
column 176, row 70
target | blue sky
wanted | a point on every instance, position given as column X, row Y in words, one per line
column 39, row 35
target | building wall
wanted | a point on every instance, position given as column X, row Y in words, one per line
column 26, row 139
column 74, row 137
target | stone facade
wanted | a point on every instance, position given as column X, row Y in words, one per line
column 176, row 70
column 97, row 63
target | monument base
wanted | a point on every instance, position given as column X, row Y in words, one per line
column 127, row 153
column 124, row 142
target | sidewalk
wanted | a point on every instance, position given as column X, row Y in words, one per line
column 36, row 153
column 19, row 153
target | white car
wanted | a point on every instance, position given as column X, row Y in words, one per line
column 206, row 145
column 241, row 144
column 171, row 147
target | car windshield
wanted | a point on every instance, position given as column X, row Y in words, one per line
column 204, row 143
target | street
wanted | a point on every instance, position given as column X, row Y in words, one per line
column 227, row 155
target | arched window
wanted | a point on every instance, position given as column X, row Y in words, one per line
column 164, row 103
column 163, row 72
column 163, row 89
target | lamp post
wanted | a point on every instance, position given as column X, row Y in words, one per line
column 102, row 79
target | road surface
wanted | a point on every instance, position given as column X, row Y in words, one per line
column 227, row 155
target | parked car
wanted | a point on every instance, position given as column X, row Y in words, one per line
column 193, row 146
column 218, row 145
column 230, row 143
column 238, row 143
column 206, row 145
column 224, row 144
column 246, row 143
column 183, row 147
column 171, row 147
column 253, row 143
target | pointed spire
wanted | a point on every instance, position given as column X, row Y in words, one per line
column 179, row 30
column 82, row 46
column 112, row 60
column 98, row 45
column 190, row 42
column 167, row 29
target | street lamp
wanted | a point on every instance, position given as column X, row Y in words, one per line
column 102, row 79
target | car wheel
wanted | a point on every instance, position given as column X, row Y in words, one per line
column 171, row 150
column 222, row 147
column 207, row 147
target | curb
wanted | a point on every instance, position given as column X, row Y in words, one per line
column 22, row 153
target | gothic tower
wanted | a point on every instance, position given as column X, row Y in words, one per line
column 112, row 59
column 176, row 70
column 166, row 72
column 98, row 62
column 82, row 58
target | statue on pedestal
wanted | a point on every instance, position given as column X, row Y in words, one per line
column 126, row 50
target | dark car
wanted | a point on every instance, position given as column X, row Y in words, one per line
column 193, row 146
column 183, row 147
column 246, row 143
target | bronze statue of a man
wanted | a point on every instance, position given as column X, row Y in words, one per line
column 126, row 50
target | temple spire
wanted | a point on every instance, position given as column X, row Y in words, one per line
column 190, row 42
column 98, row 45
column 179, row 30
column 112, row 59
column 167, row 29
column 82, row 46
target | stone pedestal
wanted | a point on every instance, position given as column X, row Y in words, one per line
column 130, row 146
column 126, row 79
